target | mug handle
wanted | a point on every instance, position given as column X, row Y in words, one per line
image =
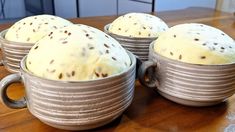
column 138, row 64
column 5, row 82
column 142, row 74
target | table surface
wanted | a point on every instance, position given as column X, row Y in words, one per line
column 149, row 111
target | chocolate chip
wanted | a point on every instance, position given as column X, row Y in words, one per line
column 28, row 39
column 31, row 23
column 91, row 48
column 180, row 57
column 222, row 34
column 104, row 75
column 87, row 35
column 24, row 23
column 54, row 27
column 204, row 44
column 46, row 23
column 221, row 47
column 144, row 27
column 196, row 39
column 51, row 61
column 51, row 37
column 60, row 76
column 230, row 47
column 64, row 42
column 34, row 30
column 106, row 36
column 151, row 27
column 36, row 47
column 73, row 73
column 135, row 23
column 114, row 58
column 149, row 34
column 107, row 51
column 97, row 74
column 139, row 33
column 69, row 34
column 53, row 71
column 171, row 53
column 203, row 57
column 215, row 43
column 119, row 28
column 106, row 45
column 174, row 36
column 50, row 33
column 65, row 31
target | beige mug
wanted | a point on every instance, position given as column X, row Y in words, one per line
column 139, row 46
column 188, row 84
column 12, row 53
column 73, row 105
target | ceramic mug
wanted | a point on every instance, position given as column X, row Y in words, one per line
column 13, row 52
column 188, row 84
column 139, row 46
column 73, row 105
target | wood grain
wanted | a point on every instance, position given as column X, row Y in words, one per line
column 149, row 111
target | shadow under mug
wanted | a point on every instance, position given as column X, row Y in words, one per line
column 13, row 52
column 139, row 46
column 187, row 84
column 73, row 105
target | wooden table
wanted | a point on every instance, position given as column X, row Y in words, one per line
column 149, row 111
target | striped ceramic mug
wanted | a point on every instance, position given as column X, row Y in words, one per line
column 73, row 105
column 139, row 46
column 13, row 52
column 188, row 84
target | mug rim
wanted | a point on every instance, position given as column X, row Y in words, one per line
column 2, row 37
column 106, row 29
column 156, row 55
column 26, row 71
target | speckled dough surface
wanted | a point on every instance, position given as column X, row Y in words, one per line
column 33, row 28
column 77, row 52
column 197, row 44
column 138, row 25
